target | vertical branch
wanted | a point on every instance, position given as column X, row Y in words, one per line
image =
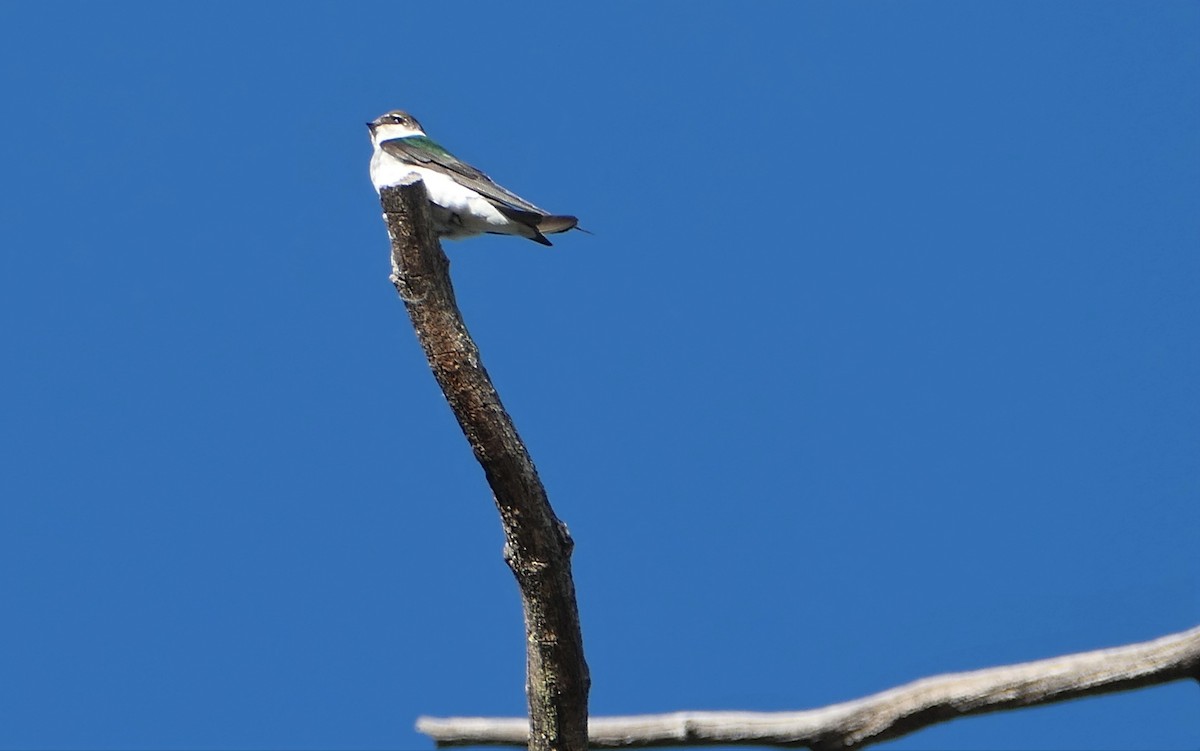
column 537, row 545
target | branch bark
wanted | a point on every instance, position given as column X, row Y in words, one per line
column 537, row 545
column 889, row 714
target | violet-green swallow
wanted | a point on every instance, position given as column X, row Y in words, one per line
column 465, row 201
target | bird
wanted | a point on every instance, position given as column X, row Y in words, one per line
column 465, row 201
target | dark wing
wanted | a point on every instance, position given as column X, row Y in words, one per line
column 423, row 152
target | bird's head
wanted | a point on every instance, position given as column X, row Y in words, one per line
column 394, row 124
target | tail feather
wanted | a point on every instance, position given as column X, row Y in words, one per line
column 539, row 223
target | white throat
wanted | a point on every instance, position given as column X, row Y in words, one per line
column 388, row 131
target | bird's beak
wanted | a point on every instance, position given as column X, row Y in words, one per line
column 371, row 126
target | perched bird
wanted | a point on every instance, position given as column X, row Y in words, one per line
column 465, row 201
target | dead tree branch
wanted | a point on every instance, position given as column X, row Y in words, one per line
column 537, row 545
column 875, row 718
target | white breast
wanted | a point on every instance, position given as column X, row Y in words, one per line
column 465, row 211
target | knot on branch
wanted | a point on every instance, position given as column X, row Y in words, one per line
column 564, row 537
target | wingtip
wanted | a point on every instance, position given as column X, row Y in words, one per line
column 552, row 224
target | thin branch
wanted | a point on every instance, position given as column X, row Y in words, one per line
column 537, row 545
column 875, row 718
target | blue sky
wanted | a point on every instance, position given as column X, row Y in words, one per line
column 882, row 362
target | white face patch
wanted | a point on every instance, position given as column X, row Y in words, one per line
column 388, row 131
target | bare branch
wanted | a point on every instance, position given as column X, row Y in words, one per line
column 537, row 545
column 875, row 718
